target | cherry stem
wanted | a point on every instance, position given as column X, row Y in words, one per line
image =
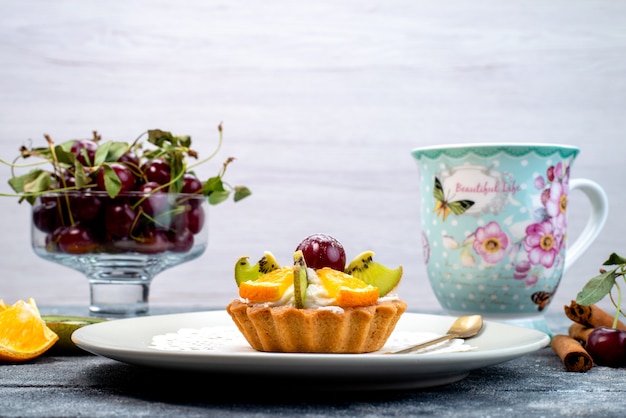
column 619, row 305
column 219, row 145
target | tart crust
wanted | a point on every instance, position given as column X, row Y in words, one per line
column 287, row 329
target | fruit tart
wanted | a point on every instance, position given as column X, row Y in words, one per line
column 317, row 304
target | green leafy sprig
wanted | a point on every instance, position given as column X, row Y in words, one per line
column 175, row 150
column 603, row 284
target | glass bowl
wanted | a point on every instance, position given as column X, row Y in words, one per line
column 119, row 243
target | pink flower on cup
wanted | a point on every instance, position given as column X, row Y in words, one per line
column 521, row 270
column 540, row 183
column 491, row 242
column 556, row 205
column 531, row 280
column 542, row 243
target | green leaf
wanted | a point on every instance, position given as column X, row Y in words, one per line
column 159, row 137
column 112, row 182
column 184, row 140
column 116, row 150
column 241, row 192
column 596, row 288
column 218, row 197
column 101, row 153
column 212, row 185
column 67, row 145
column 79, row 175
column 614, row 260
column 65, row 156
column 109, row 152
column 17, row 183
column 34, row 181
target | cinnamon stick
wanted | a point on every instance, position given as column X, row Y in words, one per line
column 580, row 332
column 591, row 316
column 574, row 357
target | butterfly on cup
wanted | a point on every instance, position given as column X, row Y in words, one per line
column 443, row 207
column 541, row 299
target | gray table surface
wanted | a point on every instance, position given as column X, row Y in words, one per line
column 535, row 385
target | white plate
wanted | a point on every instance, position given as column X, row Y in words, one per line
column 130, row 341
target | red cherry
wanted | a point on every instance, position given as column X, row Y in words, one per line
column 153, row 241
column 195, row 219
column 85, row 151
column 75, row 239
column 124, row 173
column 181, row 240
column 47, row 215
column 129, row 158
column 607, row 346
column 156, row 200
column 321, row 250
column 119, row 218
column 191, row 184
column 85, row 207
column 157, row 170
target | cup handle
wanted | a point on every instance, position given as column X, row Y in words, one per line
column 599, row 213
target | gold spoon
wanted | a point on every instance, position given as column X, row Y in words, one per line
column 463, row 327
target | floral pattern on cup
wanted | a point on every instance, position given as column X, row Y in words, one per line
column 494, row 224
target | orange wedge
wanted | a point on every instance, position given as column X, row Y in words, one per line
column 23, row 334
column 269, row 287
column 347, row 290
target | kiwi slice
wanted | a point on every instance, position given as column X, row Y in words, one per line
column 64, row 326
column 300, row 279
column 364, row 267
column 245, row 271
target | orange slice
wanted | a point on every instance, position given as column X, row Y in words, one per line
column 269, row 287
column 347, row 290
column 23, row 334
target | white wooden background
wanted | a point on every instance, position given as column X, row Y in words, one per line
column 321, row 103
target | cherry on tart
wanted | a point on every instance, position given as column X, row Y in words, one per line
column 322, row 250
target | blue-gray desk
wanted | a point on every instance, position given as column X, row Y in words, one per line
column 87, row 385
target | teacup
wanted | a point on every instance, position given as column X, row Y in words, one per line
column 494, row 226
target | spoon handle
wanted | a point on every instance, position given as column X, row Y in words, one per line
column 424, row 344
